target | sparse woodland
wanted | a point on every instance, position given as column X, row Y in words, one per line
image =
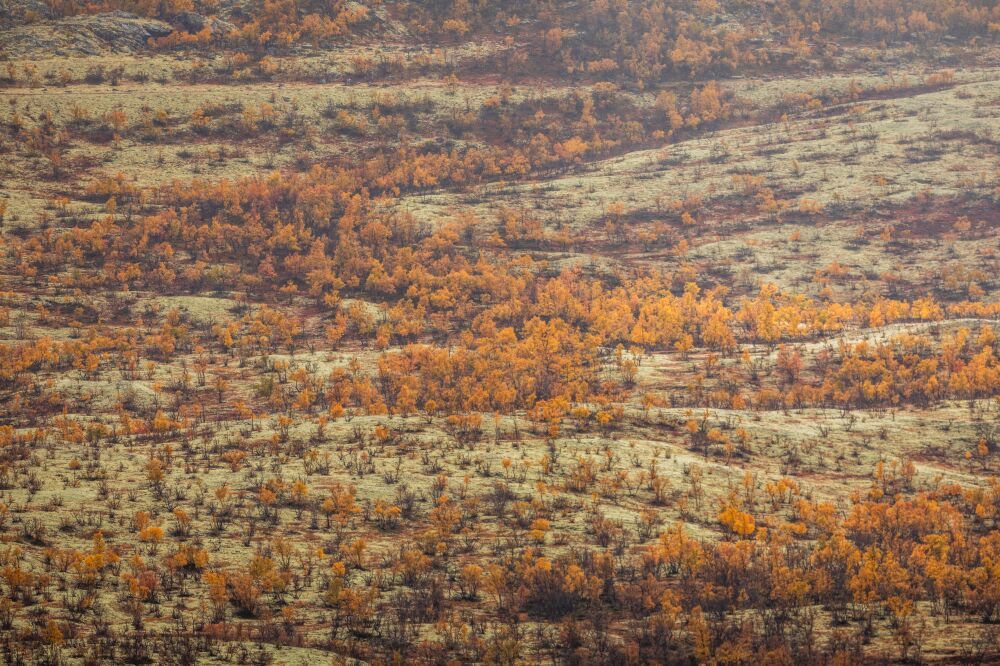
column 619, row 332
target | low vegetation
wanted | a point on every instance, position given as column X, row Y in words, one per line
column 499, row 332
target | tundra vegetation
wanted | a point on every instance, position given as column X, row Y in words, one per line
column 501, row 332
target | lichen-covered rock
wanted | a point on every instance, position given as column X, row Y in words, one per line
column 110, row 32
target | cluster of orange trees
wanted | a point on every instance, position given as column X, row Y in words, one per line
column 646, row 41
column 642, row 41
column 515, row 332
column 468, row 326
column 892, row 558
column 908, row 369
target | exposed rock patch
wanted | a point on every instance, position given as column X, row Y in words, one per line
column 111, row 32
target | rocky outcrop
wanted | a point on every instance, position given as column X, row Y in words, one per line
column 93, row 34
